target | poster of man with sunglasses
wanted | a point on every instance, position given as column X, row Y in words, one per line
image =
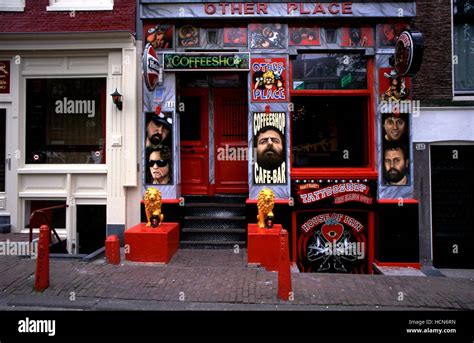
column 158, row 155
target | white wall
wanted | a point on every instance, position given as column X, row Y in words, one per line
column 443, row 124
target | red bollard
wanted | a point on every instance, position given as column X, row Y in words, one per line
column 112, row 249
column 42, row 262
column 284, row 271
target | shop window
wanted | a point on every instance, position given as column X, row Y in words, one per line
column 329, row 71
column 463, row 39
column 65, row 121
column 83, row 5
column 2, row 148
column 329, row 132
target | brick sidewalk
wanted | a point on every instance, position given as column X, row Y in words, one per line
column 221, row 277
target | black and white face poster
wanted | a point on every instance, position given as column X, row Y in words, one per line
column 269, row 145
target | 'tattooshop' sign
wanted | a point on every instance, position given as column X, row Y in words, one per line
column 205, row 61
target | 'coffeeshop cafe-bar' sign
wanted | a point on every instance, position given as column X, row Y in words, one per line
column 206, row 61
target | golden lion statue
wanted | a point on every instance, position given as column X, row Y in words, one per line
column 153, row 205
column 265, row 203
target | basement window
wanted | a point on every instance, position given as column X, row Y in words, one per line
column 84, row 5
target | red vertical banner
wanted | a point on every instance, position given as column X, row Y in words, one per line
column 4, row 77
column 42, row 262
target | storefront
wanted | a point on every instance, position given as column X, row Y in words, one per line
column 297, row 97
column 65, row 142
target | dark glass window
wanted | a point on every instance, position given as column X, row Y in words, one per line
column 463, row 47
column 329, row 132
column 329, row 71
column 65, row 121
column 190, row 128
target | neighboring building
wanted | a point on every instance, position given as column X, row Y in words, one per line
column 63, row 139
column 443, row 133
column 309, row 80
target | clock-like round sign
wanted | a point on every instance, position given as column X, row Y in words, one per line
column 408, row 53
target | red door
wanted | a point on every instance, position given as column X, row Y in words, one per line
column 194, row 138
column 230, row 140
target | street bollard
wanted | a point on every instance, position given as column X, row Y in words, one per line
column 42, row 262
column 284, row 271
column 112, row 249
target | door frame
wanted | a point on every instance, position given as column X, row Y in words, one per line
column 204, row 94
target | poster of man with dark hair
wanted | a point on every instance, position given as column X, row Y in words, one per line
column 396, row 164
column 158, row 151
column 269, row 146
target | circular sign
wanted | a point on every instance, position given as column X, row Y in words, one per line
column 97, row 153
column 408, row 53
column 36, row 157
column 151, row 67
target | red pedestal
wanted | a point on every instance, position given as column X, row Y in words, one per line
column 263, row 246
column 146, row 244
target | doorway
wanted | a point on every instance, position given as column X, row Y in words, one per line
column 213, row 134
column 452, row 192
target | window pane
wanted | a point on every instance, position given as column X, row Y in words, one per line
column 190, row 128
column 464, row 50
column 65, row 121
column 2, row 148
column 329, row 132
column 330, row 71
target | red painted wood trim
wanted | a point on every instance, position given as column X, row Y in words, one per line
column 368, row 172
column 166, row 201
column 371, row 239
column 277, row 201
column 293, row 237
column 396, row 201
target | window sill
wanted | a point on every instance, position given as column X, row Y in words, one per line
column 463, row 98
column 6, row 8
column 63, row 169
column 70, row 8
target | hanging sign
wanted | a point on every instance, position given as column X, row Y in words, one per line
column 408, row 53
column 151, row 67
column 205, row 61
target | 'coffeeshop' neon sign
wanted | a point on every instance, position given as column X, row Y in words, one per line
column 205, row 61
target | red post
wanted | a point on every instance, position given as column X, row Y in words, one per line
column 112, row 249
column 42, row 262
column 284, row 272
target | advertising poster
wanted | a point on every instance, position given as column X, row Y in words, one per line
column 159, row 36
column 269, row 129
column 267, row 36
column 235, row 36
column 357, row 36
column 188, row 35
column 332, row 241
column 387, row 33
column 395, row 107
column 158, row 151
column 268, row 80
column 304, row 35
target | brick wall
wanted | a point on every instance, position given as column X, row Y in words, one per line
column 35, row 18
column 433, row 83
